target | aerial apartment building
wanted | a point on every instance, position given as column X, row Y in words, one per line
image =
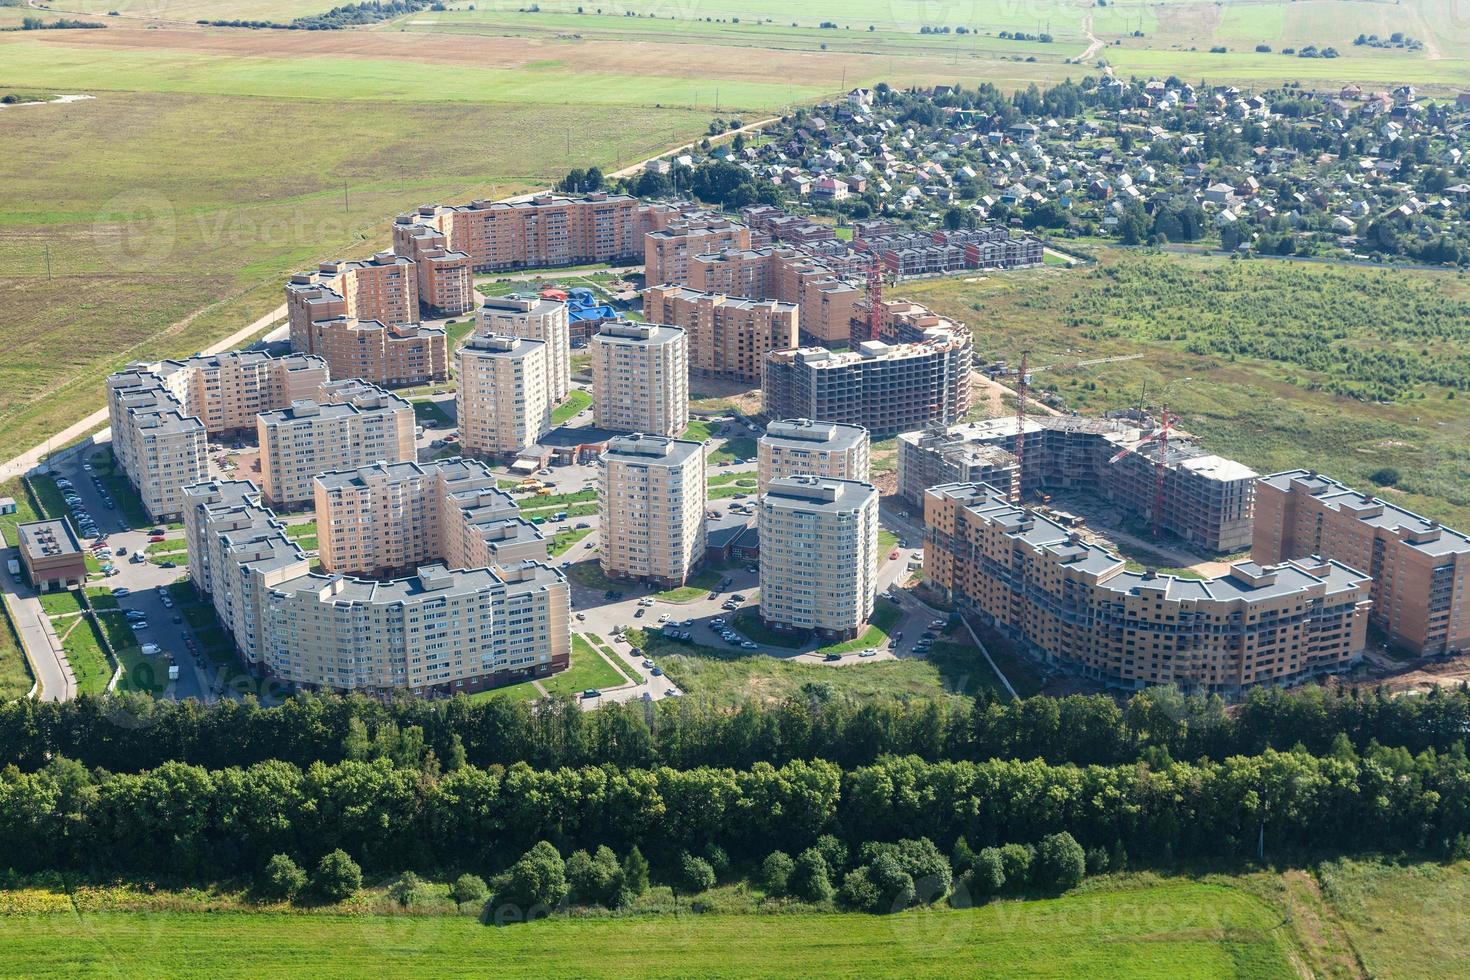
column 652, row 500
column 1078, row 606
column 803, row 447
column 640, row 378
column 885, row 388
column 825, row 302
column 534, row 318
column 728, row 337
column 819, row 555
column 391, row 355
column 667, row 253
column 384, row 287
column 227, row 391
column 159, row 447
column 1208, row 499
column 502, row 402
column 349, row 424
column 443, row 628
column 1420, row 570
column 445, row 282
column 543, row 231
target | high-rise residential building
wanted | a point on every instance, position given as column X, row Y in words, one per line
column 227, row 391
column 667, row 253
column 825, row 302
column 1420, row 570
column 444, row 628
column 640, row 378
column 819, row 554
column 886, row 389
column 446, row 284
column 803, row 447
column 546, row 230
column 349, row 424
column 1207, row 499
column 729, row 337
column 388, row 355
column 159, row 447
column 1078, row 606
column 384, row 287
column 535, row 318
column 386, row 518
column 502, row 402
column 652, row 500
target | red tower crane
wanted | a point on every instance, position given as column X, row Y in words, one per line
column 875, row 298
column 1161, row 465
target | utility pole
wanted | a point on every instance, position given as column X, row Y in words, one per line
column 345, row 206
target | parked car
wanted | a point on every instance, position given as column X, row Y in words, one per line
column 868, row 653
column 833, row 656
column 155, row 538
column 590, row 693
column 139, row 625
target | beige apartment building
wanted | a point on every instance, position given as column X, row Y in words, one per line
column 391, row 517
column 384, row 287
column 442, row 629
column 1420, row 571
column 382, row 354
column 640, row 378
column 728, row 336
column 349, row 424
column 227, row 391
column 667, row 253
column 529, row 316
column 819, row 555
column 1078, row 606
column 825, row 302
column 802, row 447
column 547, row 230
column 444, row 280
column 652, row 500
column 160, row 448
column 502, row 402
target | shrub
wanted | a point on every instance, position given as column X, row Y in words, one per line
column 859, row 892
column 595, row 879
column 776, row 872
column 717, row 858
column 282, row 879
column 635, row 873
column 988, row 876
column 895, row 886
column 469, row 889
column 834, row 852
column 539, row 878
column 1385, row 477
column 407, row 890
column 927, row 869
column 337, row 877
column 695, row 874
column 1060, row 863
column 810, row 879
column 1097, row 860
column 1016, row 860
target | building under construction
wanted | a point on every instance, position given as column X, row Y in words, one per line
column 1202, row 498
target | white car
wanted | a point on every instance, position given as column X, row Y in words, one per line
column 152, row 648
column 139, row 625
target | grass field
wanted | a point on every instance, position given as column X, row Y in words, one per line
column 576, row 401
column 1254, row 351
column 1401, row 920
column 89, row 663
column 588, row 669
column 15, row 673
column 1166, row 929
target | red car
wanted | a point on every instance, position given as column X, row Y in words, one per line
column 893, row 555
column 155, row 537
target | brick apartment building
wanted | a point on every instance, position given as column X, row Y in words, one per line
column 1208, row 500
column 445, row 282
column 886, row 389
column 803, row 447
column 390, row 355
column 640, row 378
column 501, row 401
column 825, row 303
column 534, row 318
column 728, row 337
column 384, row 287
column 667, row 253
column 1420, row 571
column 651, row 500
column 348, row 424
column 456, row 623
column 1077, row 605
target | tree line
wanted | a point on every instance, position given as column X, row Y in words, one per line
column 193, row 823
column 130, row 733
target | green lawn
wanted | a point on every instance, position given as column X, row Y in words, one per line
column 89, row 663
column 1400, row 920
column 576, row 401
column 61, row 603
column 733, row 449
column 24, row 512
column 101, row 597
column 588, row 669
column 885, row 615
column 748, row 621
column 15, row 673
column 589, row 574
column 701, row 585
column 429, row 411
column 1171, row 929
column 564, row 541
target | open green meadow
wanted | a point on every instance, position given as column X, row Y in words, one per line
column 1358, row 373
column 1169, row 929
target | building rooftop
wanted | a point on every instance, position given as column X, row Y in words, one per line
column 47, row 539
column 814, row 493
column 500, row 345
column 627, row 333
column 805, row 433
column 658, row 450
column 1421, row 533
